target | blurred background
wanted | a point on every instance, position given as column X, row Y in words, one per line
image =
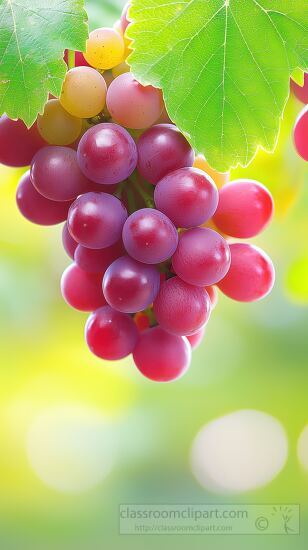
column 80, row 436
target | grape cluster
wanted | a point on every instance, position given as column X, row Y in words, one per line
column 146, row 226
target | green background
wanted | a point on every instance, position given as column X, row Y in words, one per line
column 253, row 356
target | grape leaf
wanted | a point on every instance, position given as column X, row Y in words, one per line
column 33, row 36
column 224, row 67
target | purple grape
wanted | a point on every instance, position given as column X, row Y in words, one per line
column 149, row 236
column 96, row 261
column 56, row 175
column 130, row 286
column 107, row 154
column 36, row 208
column 96, row 220
column 188, row 196
column 69, row 244
column 162, row 149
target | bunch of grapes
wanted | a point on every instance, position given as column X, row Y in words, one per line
column 300, row 131
column 150, row 234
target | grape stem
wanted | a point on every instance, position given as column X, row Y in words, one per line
column 150, row 315
column 148, row 199
column 70, row 59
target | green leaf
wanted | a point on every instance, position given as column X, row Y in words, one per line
column 33, row 36
column 224, row 67
column 298, row 75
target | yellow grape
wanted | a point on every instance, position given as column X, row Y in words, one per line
column 83, row 92
column 220, row 178
column 120, row 69
column 105, row 48
column 57, row 126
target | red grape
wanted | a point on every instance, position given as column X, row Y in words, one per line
column 18, row 144
column 107, row 153
column 162, row 149
column 244, row 210
column 110, row 334
column 213, row 295
column 36, row 208
column 81, row 290
column 130, row 286
column 56, row 175
column 97, row 261
column 96, row 220
column 196, row 339
column 161, row 356
column 300, row 133
column 124, row 20
column 181, row 308
column 202, row 257
column 79, row 59
column 149, row 236
column 187, row 196
column 69, row 244
column 251, row 275
column 301, row 92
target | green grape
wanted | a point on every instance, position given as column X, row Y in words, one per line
column 83, row 92
column 57, row 126
column 105, row 48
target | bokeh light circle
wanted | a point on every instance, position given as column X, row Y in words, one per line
column 241, row 451
column 70, row 448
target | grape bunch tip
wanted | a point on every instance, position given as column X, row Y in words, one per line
column 151, row 228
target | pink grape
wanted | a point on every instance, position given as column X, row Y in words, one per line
column 161, row 356
column 69, row 244
column 107, row 153
column 110, row 334
column 81, row 290
column 300, row 133
column 95, row 220
column 133, row 105
column 18, row 144
column 301, row 92
column 196, row 339
column 130, row 286
column 245, row 208
column 97, row 261
column 251, row 275
column 124, row 20
column 162, row 149
column 56, row 175
column 181, row 308
column 149, row 236
column 202, row 257
column 188, row 196
column 36, row 208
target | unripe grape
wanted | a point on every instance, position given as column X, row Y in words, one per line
column 57, row 126
column 300, row 133
column 83, row 92
column 133, row 105
column 161, row 356
column 251, row 275
column 245, row 208
column 105, row 48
